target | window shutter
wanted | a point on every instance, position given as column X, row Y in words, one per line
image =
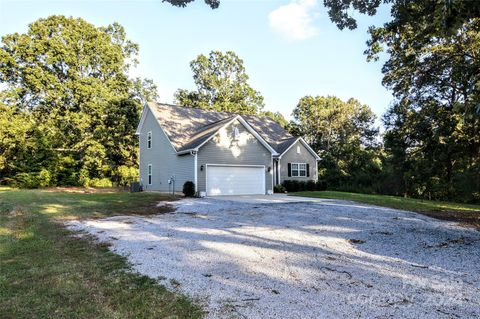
column 308, row 170
column 289, row 169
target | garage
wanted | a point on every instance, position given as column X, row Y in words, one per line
column 235, row 180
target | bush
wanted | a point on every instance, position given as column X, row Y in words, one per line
column 189, row 189
column 321, row 185
column 278, row 189
column 99, row 182
column 310, row 185
column 299, row 186
column 33, row 179
column 124, row 175
column 25, row 180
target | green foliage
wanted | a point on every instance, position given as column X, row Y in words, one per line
column 222, row 85
column 189, row 189
column 277, row 117
column 299, row 186
column 33, row 180
column 437, row 17
column 214, row 4
column 67, row 104
column 432, row 137
column 124, row 175
column 432, row 141
column 98, row 182
column 344, row 135
column 47, row 272
column 279, row 189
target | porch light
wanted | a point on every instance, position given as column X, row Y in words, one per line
column 201, row 168
column 269, row 169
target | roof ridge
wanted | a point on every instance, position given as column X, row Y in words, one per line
column 213, row 111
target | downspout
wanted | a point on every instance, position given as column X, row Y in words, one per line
column 195, row 170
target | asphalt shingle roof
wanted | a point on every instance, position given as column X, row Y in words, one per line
column 188, row 128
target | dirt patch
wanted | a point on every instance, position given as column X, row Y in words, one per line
column 150, row 209
column 468, row 219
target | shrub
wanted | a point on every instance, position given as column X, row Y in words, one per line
column 321, row 185
column 33, row 179
column 279, row 189
column 189, row 189
column 310, row 185
column 299, row 186
column 124, row 175
column 25, row 180
column 99, row 182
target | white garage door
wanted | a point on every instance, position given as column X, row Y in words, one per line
column 235, row 180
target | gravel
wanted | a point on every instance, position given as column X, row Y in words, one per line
column 332, row 259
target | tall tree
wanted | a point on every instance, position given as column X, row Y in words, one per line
column 439, row 16
column 222, row 85
column 64, row 74
column 432, row 138
column 344, row 135
column 437, row 85
column 277, row 117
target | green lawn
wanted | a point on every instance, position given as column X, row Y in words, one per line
column 464, row 213
column 45, row 272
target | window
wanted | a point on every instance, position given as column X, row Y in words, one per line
column 149, row 174
column 299, row 170
column 302, row 169
column 298, row 149
column 149, row 140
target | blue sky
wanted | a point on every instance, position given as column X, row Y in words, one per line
column 289, row 47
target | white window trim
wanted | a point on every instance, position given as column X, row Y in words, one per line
column 149, row 140
column 150, row 174
column 298, row 169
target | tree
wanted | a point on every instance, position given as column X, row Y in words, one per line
column 214, row 4
column 434, row 126
column 432, row 138
column 277, row 117
column 222, row 85
column 440, row 16
column 69, row 78
column 344, row 135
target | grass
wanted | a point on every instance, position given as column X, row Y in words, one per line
column 45, row 272
column 466, row 214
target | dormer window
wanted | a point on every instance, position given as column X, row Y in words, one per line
column 236, row 133
column 149, row 140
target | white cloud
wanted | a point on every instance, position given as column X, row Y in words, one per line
column 294, row 21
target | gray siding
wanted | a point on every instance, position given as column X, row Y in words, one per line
column 222, row 149
column 165, row 162
column 291, row 156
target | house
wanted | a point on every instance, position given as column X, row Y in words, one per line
column 222, row 153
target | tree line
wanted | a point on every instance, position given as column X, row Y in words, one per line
column 68, row 109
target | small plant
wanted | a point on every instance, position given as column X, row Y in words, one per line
column 189, row 189
column 278, row 189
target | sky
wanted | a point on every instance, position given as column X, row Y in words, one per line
column 290, row 48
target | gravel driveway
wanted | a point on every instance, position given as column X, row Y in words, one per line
column 326, row 259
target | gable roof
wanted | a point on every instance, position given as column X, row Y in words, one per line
column 189, row 128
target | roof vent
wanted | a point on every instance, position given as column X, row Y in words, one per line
column 236, row 133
